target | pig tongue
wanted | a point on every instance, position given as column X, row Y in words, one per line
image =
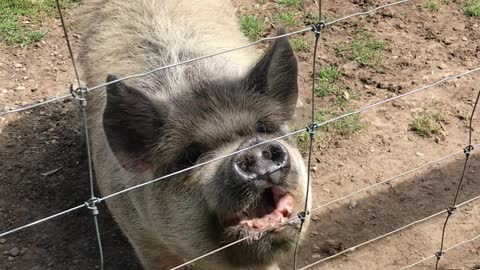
column 281, row 213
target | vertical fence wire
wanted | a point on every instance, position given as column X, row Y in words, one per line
column 317, row 28
column 450, row 210
column 78, row 92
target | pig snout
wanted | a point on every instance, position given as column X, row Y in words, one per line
column 268, row 163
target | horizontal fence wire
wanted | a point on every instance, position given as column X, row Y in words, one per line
column 245, row 149
column 322, row 206
column 444, row 251
column 314, row 126
column 387, row 234
column 309, row 28
column 388, row 180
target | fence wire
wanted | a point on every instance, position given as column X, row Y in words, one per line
column 444, row 251
column 79, row 95
column 316, row 126
column 306, row 29
column 317, row 28
column 386, row 234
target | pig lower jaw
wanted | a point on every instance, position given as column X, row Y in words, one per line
column 272, row 214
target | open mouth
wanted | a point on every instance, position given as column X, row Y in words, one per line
column 272, row 209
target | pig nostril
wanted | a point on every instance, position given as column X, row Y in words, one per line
column 267, row 155
column 277, row 154
column 247, row 163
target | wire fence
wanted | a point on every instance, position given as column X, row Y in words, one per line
column 79, row 93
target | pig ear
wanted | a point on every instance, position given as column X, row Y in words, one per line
column 276, row 74
column 132, row 122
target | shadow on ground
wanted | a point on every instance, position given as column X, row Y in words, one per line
column 51, row 138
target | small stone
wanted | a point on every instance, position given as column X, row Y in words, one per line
column 464, row 39
column 10, row 258
column 352, row 205
column 17, row 65
column 20, row 88
column 314, row 233
column 3, row 241
column 442, row 66
column 419, row 154
column 14, row 252
column 314, row 169
column 316, row 256
column 315, row 218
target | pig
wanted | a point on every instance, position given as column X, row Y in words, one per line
column 150, row 126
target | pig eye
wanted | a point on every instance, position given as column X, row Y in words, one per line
column 192, row 153
column 263, row 127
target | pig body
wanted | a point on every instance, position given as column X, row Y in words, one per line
column 150, row 126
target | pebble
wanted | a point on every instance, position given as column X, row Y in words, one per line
column 20, row 88
column 316, row 256
column 314, row 233
column 10, row 258
column 17, row 65
column 14, row 252
column 419, row 154
column 442, row 66
column 3, row 241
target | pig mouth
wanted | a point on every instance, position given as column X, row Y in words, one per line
column 273, row 210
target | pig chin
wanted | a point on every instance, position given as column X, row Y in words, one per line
column 269, row 221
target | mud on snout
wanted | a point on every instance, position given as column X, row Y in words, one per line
column 258, row 193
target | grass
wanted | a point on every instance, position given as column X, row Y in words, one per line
column 290, row 3
column 330, row 84
column 431, row 5
column 427, row 124
column 303, row 142
column 472, row 8
column 21, row 20
column 251, row 26
column 300, row 45
column 288, row 18
column 329, row 74
column 365, row 48
column 349, row 125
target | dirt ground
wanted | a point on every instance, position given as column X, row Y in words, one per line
column 43, row 164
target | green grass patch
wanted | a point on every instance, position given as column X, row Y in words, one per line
column 365, row 48
column 349, row 125
column 303, row 142
column 290, row 3
column 288, row 19
column 330, row 84
column 431, row 5
column 427, row 124
column 300, row 45
column 251, row 26
column 329, row 74
column 21, row 20
column 472, row 8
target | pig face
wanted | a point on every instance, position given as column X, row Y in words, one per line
column 242, row 194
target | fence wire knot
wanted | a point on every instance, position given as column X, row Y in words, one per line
column 318, row 27
column 439, row 254
column 303, row 215
column 92, row 205
column 78, row 92
column 468, row 150
column 311, row 129
column 450, row 210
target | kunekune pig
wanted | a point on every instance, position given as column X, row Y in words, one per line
column 146, row 127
